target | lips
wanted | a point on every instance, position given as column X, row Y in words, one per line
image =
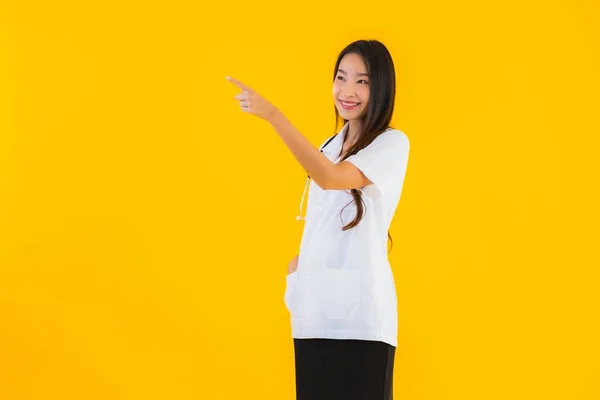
column 349, row 105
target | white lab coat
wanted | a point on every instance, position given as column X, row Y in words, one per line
column 344, row 287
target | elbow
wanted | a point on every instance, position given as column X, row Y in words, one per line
column 325, row 183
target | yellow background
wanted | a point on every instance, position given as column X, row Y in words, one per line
column 146, row 222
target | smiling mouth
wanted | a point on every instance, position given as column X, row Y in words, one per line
column 348, row 105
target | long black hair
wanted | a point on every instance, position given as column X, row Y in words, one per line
column 380, row 107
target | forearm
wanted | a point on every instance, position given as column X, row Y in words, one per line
column 319, row 167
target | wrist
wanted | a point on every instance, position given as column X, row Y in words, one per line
column 275, row 116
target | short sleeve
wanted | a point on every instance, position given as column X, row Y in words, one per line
column 383, row 161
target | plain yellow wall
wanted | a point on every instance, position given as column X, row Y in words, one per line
column 146, row 223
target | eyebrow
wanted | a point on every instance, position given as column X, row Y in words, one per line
column 359, row 74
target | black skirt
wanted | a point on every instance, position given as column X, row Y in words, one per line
column 331, row 369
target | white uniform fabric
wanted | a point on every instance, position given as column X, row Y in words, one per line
column 344, row 287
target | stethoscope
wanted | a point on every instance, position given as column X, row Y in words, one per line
column 299, row 217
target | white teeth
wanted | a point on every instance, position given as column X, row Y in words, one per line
column 349, row 104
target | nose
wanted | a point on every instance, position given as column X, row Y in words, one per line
column 349, row 91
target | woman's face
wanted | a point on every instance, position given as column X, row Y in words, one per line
column 351, row 87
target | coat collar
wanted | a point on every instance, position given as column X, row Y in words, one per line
column 333, row 149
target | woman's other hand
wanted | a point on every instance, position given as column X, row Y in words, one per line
column 293, row 265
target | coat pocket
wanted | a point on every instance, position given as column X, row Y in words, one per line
column 290, row 297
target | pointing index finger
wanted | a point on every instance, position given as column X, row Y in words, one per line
column 238, row 84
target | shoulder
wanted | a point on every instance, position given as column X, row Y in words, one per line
column 394, row 135
column 392, row 139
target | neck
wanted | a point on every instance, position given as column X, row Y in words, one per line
column 353, row 127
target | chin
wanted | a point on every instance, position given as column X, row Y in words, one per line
column 355, row 114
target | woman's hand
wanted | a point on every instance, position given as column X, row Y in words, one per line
column 252, row 102
column 293, row 265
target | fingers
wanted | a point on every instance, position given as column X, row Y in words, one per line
column 245, row 100
column 239, row 84
column 243, row 96
column 245, row 104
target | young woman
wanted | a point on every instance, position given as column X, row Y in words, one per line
column 340, row 288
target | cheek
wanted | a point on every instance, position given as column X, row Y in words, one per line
column 364, row 95
column 335, row 91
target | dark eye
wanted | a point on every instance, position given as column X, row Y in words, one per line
column 340, row 77
column 362, row 80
